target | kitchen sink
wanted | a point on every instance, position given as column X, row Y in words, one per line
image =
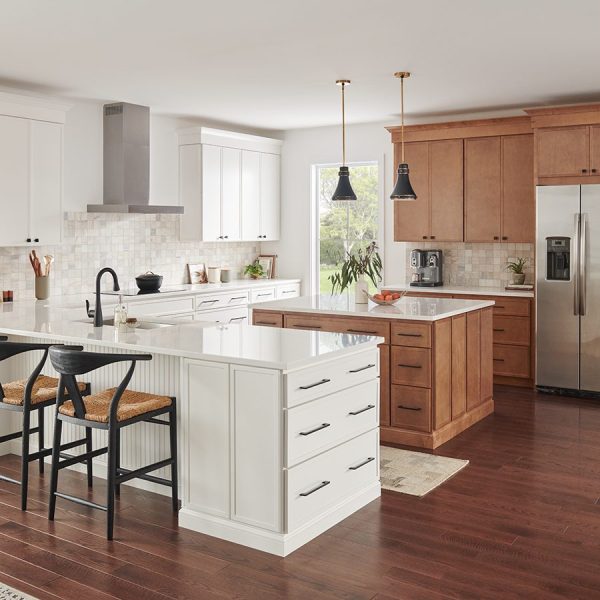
column 140, row 325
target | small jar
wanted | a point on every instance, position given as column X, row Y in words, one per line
column 225, row 275
column 214, row 274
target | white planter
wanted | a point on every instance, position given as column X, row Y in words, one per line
column 360, row 292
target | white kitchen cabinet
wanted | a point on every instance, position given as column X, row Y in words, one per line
column 30, row 181
column 229, row 186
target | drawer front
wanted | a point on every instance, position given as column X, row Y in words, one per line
column 512, row 361
column 213, row 301
column 318, row 484
column 161, row 307
column 225, row 315
column 411, row 366
column 340, row 325
column 511, row 330
column 262, row 295
column 321, row 380
column 319, row 425
column 518, row 307
column 411, row 408
column 411, row 334
column 291, row 290
column 267, row 319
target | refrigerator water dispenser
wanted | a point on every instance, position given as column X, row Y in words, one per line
column 558, row 263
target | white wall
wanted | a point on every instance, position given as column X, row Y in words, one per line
column 303, row 148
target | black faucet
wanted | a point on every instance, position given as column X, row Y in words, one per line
column 97, row 313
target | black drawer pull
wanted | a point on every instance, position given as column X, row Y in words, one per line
column 362, row 410
column 498, row 329
column 237, row 319
column 307, row 326
column 288, row 291
column 237, row 298
column 362, row 332
column 315, row 489
column 499, row 306
column 410, row 334
column 362, row 464
column 499, row 360
column 265, row 323
column 319, row 428
column 409, row 407
column 411, row 366
column 312, row 385
column 263, row 295
column 361, row 369
column 208, row 301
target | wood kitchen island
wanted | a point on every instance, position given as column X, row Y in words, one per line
column 436, row 364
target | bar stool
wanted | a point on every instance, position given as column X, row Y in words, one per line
column 110, row 410
column 34, row 394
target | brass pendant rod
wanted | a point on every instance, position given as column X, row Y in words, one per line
column 343, row 127
column 402, row 111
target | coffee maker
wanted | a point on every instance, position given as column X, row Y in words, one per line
column 427, row 268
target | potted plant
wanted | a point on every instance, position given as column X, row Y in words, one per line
column 254, row 270
column 357, row 266
column 517, row 268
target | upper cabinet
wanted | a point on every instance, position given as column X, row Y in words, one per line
column 229, row 185
column 31, row 171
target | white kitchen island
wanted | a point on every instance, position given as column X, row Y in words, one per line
column 278, row 429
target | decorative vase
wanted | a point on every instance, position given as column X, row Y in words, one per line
column 42, row 287
column 360, row 291
column 518, row 278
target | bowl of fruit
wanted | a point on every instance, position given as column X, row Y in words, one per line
column 386, row 297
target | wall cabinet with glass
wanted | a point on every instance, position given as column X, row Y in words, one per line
column 229, row 186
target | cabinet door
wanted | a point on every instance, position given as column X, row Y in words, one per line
column 14, row 180
column 250, row 195
column 563, row 151
column 518, row 197
column 595, row 149
column 231, row 166
column 411, row 218
column 211, row 193
column 46, row 182
column 269, row 196
column 446, row 180
column 482, row 190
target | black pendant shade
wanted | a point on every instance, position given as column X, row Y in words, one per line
column 344, row 190
column 403, row 190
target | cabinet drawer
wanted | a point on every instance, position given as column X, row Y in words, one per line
column 212, row 301
column 512, row 361
column 518, row 307
column 225, row 315
column 313, row 382
column 262, row 295
column 511, row 330
column 411, row 366
column 411, row 408
column 288, row 291
column 319, row 425
column 267, row 319
column 353, row 325
column 411, row 334
column 318, row 484
column 161, row 307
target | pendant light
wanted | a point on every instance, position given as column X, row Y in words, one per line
column 402, row 190
column 344, row 190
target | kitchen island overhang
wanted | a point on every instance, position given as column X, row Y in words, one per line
column 257, row 465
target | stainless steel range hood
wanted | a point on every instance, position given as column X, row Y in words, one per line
column 127, row 162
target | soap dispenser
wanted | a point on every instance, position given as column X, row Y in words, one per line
column 120, row 317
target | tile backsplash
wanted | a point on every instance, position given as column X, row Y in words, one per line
column 479, row 265
column 131, row 244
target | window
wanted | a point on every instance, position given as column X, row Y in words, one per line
column 344, row 226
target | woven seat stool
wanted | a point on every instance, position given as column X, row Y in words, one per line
column 33, row 394
column 110, row 410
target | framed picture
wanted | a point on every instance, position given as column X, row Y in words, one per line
column 197, row 273
column 267, row 262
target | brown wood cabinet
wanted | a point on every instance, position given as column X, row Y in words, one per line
column 436, row 174
column 563, row 151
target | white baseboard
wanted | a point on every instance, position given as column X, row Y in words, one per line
column 277, row 543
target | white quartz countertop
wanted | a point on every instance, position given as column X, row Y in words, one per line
column 267, row 347
column 460, row 289
column 414, row 309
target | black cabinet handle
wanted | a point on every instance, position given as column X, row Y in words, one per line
column 410, row 334
column 362, row 410
column 424, row 237
column 307, row 326
column 499, row 306
column 496, row 237
column 319, row 428
column 237, row 298
column 409, row 407
column 208, row 301
column 265, row 323
column 498, row 329
column 584, row 170
column 263, row 295
column 361, row 369
column 362, row 464
column 288, row 291
column 432, row 237
column 226, row 237
column 411, row 366
column 312, row 385
column 504, row 237
column 594, row 170
column 499, row 360
column 362, row 332
column 28, row 240
column 36, row 240
column 237, row 319
column 315, row 489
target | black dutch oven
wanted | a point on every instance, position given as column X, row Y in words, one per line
column 149, row 282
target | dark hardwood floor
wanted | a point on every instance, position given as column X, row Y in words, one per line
column 522, row 521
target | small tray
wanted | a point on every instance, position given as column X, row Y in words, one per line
column 386, row 302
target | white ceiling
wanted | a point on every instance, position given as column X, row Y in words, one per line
column 272, row 63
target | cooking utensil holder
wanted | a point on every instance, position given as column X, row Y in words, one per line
column 42, row 287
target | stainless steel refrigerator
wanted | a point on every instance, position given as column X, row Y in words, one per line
column 568, row 288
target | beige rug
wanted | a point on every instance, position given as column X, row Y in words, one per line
column 415, row 473
column 8, row 593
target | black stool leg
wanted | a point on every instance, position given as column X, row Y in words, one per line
column 41, row 437
column 118, row 461
column 25, row 458
column 110, row 484
column 54, row 469
column 88, row 448
column 173, row 440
